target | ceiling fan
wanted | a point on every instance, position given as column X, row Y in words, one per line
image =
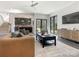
column 34, row 3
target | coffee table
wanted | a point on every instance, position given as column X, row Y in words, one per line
column 44, row 38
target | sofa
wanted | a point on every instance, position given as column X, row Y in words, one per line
column 17, row 47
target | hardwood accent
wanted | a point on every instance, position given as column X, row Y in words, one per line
column 17, row 47
column 69, row 34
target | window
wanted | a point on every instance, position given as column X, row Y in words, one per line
column 22, row 21
column 53, row 24
column 41, row 25
column 38, row 25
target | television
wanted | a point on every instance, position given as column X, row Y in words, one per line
column 72, row 18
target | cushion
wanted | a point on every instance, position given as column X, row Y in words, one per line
column 16, row 34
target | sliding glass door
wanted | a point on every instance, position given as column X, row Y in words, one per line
column 41, row 25
column 44, row 25
column 53, row 24
column 38, row 25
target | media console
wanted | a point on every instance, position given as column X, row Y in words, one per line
column 69, row 34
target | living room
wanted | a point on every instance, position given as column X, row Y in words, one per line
column 35, row 28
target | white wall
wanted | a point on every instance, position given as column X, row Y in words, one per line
column 32, row 16
column 12, row 17
column 67, row 10
column 4, row 17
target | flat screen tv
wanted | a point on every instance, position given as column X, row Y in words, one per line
column 72, row 18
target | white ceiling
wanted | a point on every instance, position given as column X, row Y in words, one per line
column 45, row 7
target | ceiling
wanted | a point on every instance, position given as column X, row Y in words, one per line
column 44, row 7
